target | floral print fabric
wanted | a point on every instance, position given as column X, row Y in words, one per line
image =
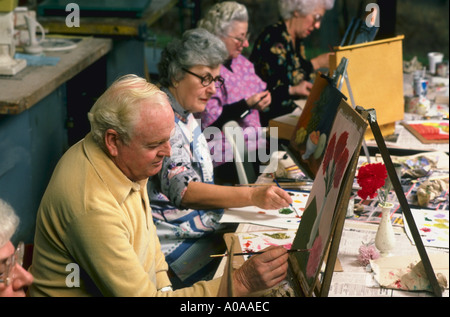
column 241, row 82
column 280, row 65
column 179, row 229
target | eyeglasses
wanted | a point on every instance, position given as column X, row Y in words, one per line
column 7, row 265
column 240, row 39
column 317, row 18
column 208, row 79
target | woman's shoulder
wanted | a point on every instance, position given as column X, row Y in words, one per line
column 273, row 30
column 242, row 60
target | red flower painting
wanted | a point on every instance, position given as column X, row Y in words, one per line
column 333, row 168
column 335, row 161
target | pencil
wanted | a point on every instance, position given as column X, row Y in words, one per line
column 278, row 184
column 253, row 253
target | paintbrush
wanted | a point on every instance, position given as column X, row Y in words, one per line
column 278, row 184
column 253, row 106
column 258, row 252
column 282, row 184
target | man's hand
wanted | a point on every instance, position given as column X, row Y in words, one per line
column 261, row 271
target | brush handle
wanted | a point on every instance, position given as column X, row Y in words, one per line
column 258, row 252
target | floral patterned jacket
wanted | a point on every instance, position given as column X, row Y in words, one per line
column 280, row 65
column 179, row 229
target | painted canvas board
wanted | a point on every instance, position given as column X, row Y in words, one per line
column 325, row 200
column 429, row 131
column 312, row 131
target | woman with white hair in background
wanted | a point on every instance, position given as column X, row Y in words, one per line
column 13, row 277
column 279, row 54
column 243, row 94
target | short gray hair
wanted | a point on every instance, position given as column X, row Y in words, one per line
column 196, row 47
column 304, row 7
column 8, row 222
column 221, row 16
column 118, row 108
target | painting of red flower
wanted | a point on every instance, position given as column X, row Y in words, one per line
column 334, row 165
column 328, row 197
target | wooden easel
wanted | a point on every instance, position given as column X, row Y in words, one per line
column 372, row 118
column 322, row 288
column 339, row 75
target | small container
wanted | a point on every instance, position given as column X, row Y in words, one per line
column 420, row 86
column 423, row 87
column 442, row 69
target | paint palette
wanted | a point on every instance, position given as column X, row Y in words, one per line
column 433, row 227
column 257, row 241
column 284, row 218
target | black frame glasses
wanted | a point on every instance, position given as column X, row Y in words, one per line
column 207, row 79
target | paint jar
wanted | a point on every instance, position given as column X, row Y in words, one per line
column 424, row 87
column 420, row 86
column 416, row 84
column 442, row 69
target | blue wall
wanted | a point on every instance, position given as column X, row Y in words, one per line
column 31, row 144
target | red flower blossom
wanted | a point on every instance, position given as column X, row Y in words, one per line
column 340, row 145
column 341, row 162
column 314, row 258
column 371, row 177
column 329, row 154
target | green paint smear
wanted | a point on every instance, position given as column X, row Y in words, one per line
column 285, row 211
column 280, row 235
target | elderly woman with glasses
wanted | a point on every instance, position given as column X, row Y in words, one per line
column 244, row 93
column 13, row 277
column 186, row 204
column 278, row 54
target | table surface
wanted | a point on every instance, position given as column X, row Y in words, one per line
column 20, row 92
column 110, row 26
column 353, row 280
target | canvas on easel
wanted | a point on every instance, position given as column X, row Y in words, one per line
column 312, row 131
column 322, row 221
column 376, row 71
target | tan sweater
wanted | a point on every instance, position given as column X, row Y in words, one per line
column 92, row 215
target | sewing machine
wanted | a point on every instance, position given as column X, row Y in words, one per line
column 8, row 65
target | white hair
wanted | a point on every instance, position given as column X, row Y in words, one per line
column 304, row 7
column 118, row 107
column 8, row 222
column 221, row 16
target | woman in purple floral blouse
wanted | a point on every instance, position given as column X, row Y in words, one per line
column 279, row 54
column 244, row 94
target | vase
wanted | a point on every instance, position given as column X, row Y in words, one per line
column 385, row 237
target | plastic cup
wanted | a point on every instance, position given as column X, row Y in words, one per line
column 433, row 59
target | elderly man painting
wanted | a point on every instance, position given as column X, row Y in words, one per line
column 95, row 215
